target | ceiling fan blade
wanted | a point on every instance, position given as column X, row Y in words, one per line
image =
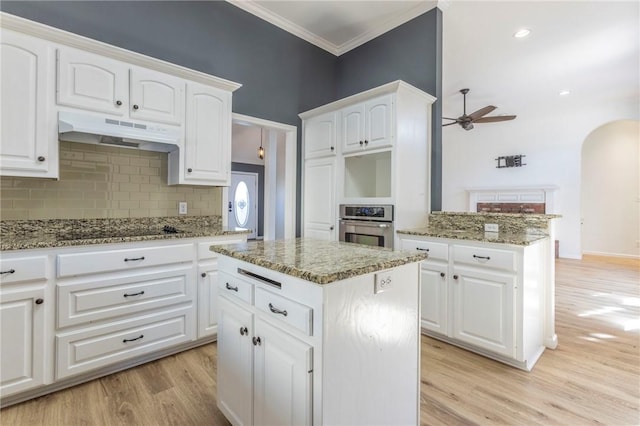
column 448, row 118
column 494, row 119
column 449, row 124
column 482, row 111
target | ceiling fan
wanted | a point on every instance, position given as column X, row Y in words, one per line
column 466, row 121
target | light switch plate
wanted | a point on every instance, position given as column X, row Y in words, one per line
column 384, row 281
column 491, row 227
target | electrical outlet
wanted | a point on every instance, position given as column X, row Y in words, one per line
column 182, row 207
column 491, row 227
column 383, row 281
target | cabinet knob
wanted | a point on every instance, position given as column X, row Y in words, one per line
column 331, row 228
column 189, row 170
column 366, row 142
column 361, row 143
column 442, row 274
column 257, row 341
column 39, row 301
column 136, row 107
column 332, row 148
column 243, row 331
column 119, row 103
column 41, row 159
column 455, row 277
column 204, row 274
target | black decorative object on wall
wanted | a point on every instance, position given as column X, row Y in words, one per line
column 510, row 161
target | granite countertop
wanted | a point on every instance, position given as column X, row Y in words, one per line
column 33, row 234
column 522, row 238
column 318, row 261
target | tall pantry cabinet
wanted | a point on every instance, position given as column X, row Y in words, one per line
column 369, row 148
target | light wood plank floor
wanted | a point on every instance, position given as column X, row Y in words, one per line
column 593, row 377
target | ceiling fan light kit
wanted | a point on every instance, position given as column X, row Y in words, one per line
column 466, row 121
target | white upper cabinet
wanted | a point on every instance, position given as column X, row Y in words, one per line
column 28, row 135
column 97, row 83
column 368, row 125
column 92, row 82
column 156, row 96
column 207, row 152
column 320, row 136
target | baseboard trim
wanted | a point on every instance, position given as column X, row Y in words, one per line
column 616, row 255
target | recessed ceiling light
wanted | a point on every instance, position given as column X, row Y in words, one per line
column 522, row 33
column 564, row 92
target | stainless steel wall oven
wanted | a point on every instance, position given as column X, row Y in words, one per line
column 367, row 224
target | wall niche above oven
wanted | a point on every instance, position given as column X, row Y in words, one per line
column 368, row 175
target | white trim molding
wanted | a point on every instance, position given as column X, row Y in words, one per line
column 55, row 35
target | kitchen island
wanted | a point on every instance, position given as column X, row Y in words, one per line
column 318, row 332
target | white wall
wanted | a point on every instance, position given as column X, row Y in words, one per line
column 611, row 190
column 552, row 141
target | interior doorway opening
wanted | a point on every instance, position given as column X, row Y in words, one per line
column 253, row 138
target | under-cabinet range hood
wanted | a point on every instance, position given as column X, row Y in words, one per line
column 100, row 130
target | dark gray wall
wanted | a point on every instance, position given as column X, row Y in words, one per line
column 253, row 168
column 281, row 74
column 411, row 52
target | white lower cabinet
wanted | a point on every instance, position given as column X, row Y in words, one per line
column 264, row 373
column 488, row 298
column 23, row 303
column 291, row 352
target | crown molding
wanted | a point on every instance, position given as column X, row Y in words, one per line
column 263, row 13
column 280, row 22
column 387, row 26
column 56, row 35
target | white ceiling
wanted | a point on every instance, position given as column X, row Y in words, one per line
column 591, row 48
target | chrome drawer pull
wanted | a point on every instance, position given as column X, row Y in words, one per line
column 133, row 340
column 277, row 311
column 131, row 259
column 134, row 294
column 422, row 249
column 10, row 271
column 481, row 257
column 231, row 288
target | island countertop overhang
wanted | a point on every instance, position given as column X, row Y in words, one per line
column 317, row 261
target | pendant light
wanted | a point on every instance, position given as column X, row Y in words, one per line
column 261, row 149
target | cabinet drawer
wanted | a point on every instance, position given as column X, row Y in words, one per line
column 436, row 251
column 96, row 300
column 492, row 258
column 95, row 347
column 235, row 288
column 115, row 260
column 23, row 269
column 293, row 313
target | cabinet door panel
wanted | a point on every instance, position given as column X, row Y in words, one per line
column 92, row 82
column 208, row 136
column 320, row 136
column 208, row 300
column 434, row 298
column 283, row 378
column 21, row 341
column 156, row 97
column 353, row 128
column 24, row 86
column 379, row 122
column 319, row 195
column 235, row 362
column 484, row 309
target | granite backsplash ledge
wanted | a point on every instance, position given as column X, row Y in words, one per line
column 508, row 222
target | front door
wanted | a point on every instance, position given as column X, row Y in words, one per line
column 243, row 202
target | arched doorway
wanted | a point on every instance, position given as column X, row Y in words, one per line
column 610, row 190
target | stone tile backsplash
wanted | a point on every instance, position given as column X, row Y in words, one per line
column 104, row 182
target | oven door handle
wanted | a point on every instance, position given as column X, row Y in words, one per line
column 365, row 223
